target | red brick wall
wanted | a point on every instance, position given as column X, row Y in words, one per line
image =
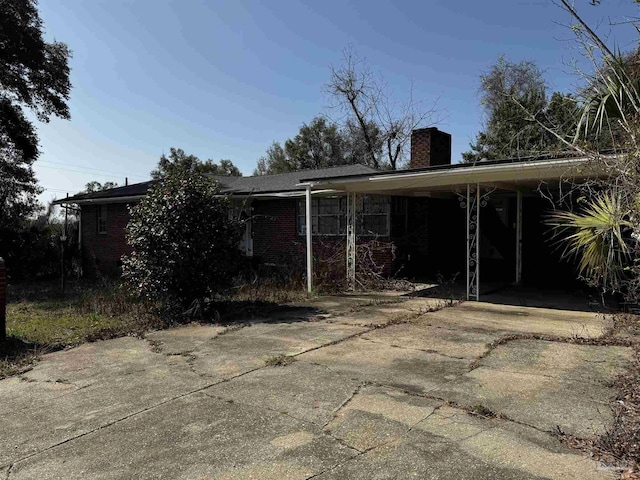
column 102, row 252
column 274, row 229
column 276, row 239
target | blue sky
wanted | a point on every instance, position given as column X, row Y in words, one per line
column 223, row 79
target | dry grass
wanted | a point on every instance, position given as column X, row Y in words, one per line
column 620, row 445
column 41, row 319
column 279, row 361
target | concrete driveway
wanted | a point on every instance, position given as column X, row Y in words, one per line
column 376, row 388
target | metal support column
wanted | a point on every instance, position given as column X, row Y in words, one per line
column 309, row 232
column 478, row 205
column 351, row 240
column 518, row 238
column 468, row 207
column 472, row 204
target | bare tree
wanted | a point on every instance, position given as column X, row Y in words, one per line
column 364, row 101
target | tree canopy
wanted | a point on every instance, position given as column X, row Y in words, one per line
column 95, row 186
column 179, row 160
column 516, row 106
column 380, row 124
column 319, row 144
column 34, row 77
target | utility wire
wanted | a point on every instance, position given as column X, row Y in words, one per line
column 115, row 176
column 88, row 168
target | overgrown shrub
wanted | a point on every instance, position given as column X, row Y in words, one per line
column 32, row 249
column 185, row 241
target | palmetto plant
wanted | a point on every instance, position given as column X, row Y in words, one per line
column 598, row 238
column 613, row 95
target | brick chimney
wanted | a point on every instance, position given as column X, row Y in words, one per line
column 430, row 147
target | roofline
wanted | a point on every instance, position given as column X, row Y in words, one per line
column 456, row 166
column 455, row 173
column 134, row 198
column 124, row 199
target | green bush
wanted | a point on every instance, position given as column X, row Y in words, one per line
column 185, row 241
column 32, row 247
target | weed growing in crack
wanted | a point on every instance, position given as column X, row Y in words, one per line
column 279, row 361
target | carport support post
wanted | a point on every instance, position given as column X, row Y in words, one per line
column 3, row 301
column 478, row 242
column 468, row 239
column 309, row 232
column 351, row 240
column 518, row 237
column 473, row 242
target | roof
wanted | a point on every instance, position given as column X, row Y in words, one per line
column 508, row 174
column 259, row 184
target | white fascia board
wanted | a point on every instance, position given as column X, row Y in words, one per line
column 523, row 171
column 295, row 194
column 97, row 201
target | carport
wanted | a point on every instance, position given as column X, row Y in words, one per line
column 473, row 185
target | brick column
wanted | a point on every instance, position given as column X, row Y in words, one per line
column 3, row 300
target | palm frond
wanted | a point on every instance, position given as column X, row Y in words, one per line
column 595, row 237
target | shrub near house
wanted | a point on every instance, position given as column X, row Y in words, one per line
column 185, row 243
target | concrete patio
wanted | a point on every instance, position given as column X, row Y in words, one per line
column 379, row 387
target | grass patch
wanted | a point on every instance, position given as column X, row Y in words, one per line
column 40, row 319
column 17, row 356
column 279, row 361
column 45, row 317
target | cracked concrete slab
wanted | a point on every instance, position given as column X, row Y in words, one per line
column 119, row 377
column 419, row 456
column 300, row 389
column 387, row 425
column 582, row 363
column 422, row 334
column 376, row 415
column 380, row 363
column 246, row 349
column 358, row 401
column 183, row 339
column 509, row 449
column 545, row 402
column 194, row 437
column 483, row 316
column 389, row 312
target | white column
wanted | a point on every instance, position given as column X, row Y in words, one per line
column 468, row 219
column 351, row 240
column 518, row 237
column 309, row 231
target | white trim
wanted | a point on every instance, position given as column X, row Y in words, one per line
column 135, row 198
column 515, row 172
column 309, row 227
column 518, row 237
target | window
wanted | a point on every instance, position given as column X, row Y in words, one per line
column 328, row 215
column 102, row 219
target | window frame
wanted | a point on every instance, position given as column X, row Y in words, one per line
column 101, row 219
column 361, row 214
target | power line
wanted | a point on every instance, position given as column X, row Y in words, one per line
column 88, row 168
column 108, row 175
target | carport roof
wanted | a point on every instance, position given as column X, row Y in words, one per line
column 510, row 174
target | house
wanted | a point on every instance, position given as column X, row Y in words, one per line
column 427, row 218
